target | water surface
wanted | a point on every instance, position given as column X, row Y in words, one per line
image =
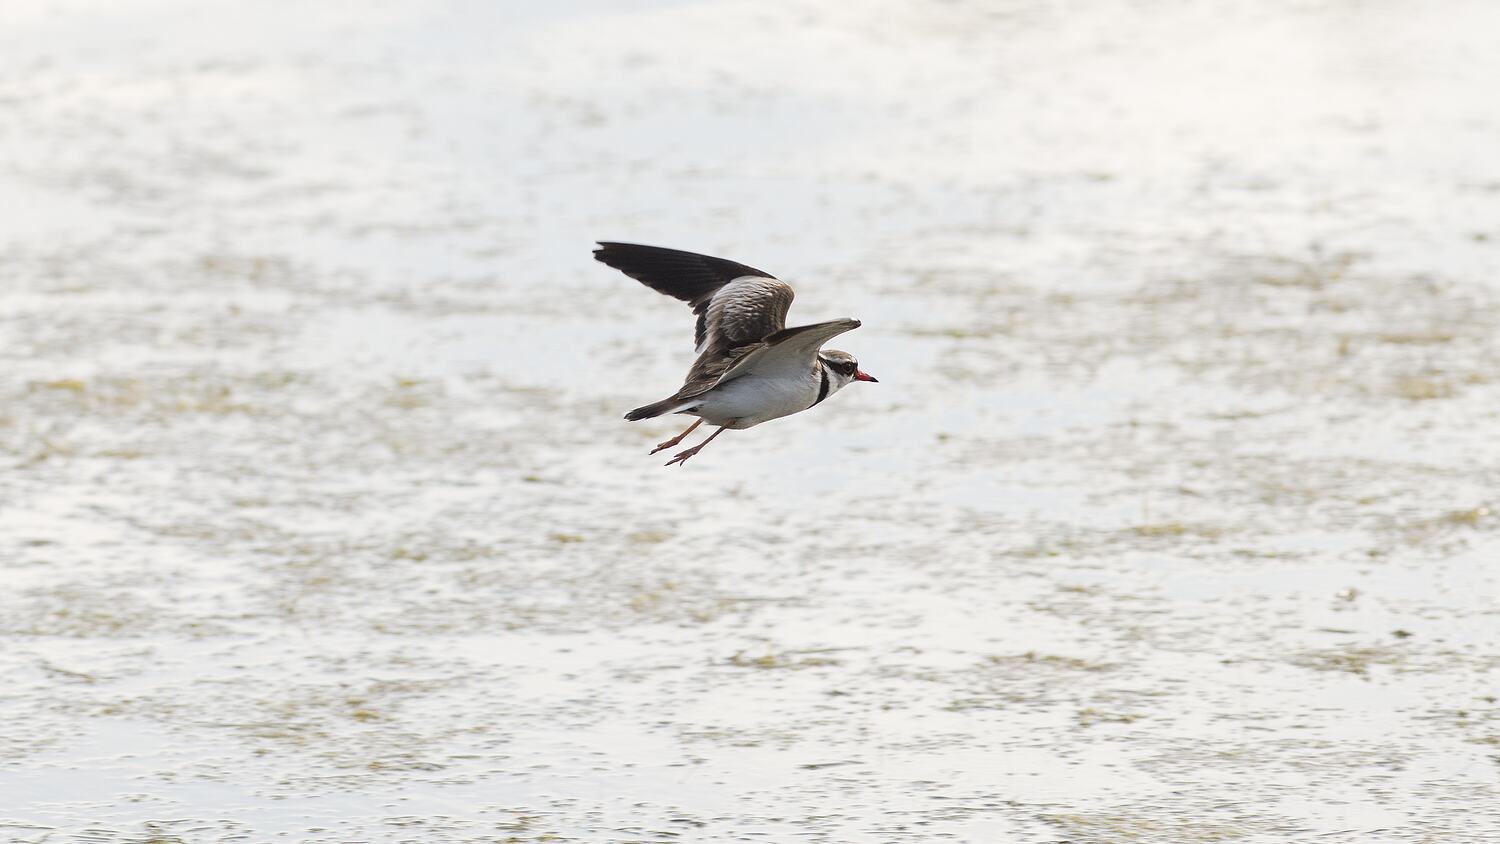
column 1171, row 518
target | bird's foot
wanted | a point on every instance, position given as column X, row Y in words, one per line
column 682, row 456
column 680, row 437
column 669, row 443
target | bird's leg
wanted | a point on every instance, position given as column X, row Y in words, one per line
column 677, row 439
column 684, row 455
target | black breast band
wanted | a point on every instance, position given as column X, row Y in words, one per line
column 822, row 388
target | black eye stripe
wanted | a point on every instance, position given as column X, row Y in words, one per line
column 842, row 367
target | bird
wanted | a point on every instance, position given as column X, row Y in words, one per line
column 750, row 368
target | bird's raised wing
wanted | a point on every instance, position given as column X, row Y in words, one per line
column 789, row 350
column 736, row 305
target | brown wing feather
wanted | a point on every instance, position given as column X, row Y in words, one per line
column 744, row 311
column 709, row 371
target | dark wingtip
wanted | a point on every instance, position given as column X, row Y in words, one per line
column 638, row 260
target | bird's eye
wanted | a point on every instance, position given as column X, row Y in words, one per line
column 847, row 367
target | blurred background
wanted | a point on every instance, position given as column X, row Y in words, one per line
column 1169, row 519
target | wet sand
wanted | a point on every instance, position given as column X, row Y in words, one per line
column 1171, row 519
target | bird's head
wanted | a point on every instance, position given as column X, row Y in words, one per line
column 842, row 369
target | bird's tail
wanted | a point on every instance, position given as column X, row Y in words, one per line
column 658, row 408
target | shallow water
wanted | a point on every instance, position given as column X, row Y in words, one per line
column 1171, row 518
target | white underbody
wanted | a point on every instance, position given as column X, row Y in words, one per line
column 751, row 399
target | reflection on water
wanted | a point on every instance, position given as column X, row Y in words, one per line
column 1170, row 519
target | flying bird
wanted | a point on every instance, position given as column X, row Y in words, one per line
column 751, row 368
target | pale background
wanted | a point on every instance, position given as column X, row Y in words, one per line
column 1169, row 520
